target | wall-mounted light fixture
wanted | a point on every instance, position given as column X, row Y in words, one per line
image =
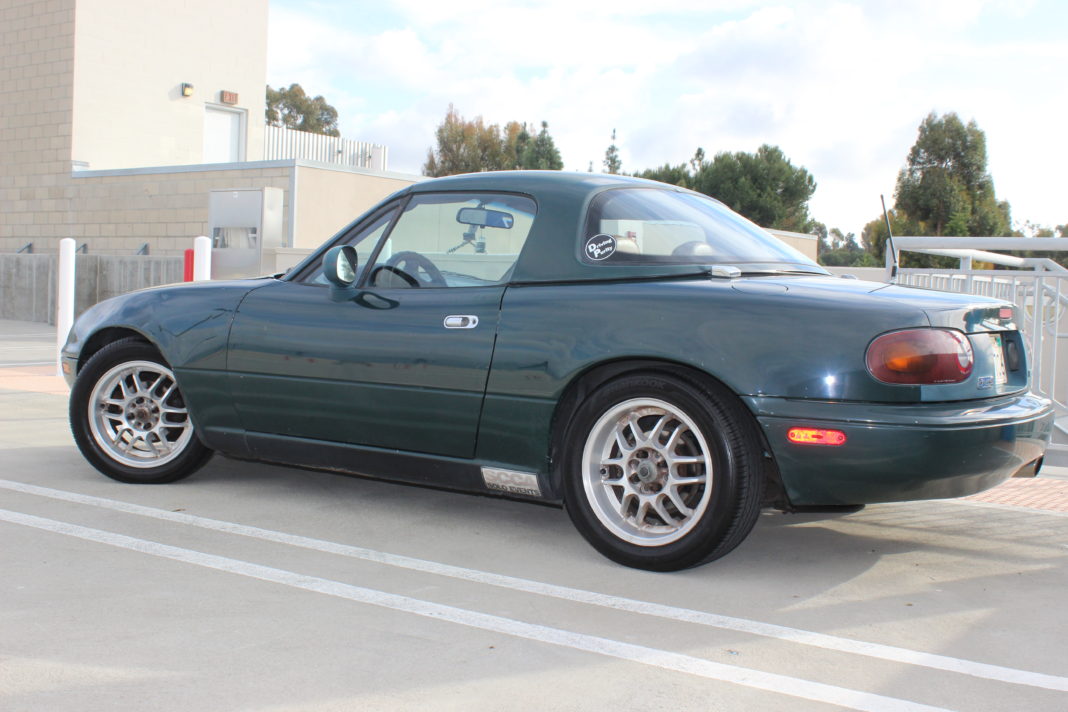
column 187, row 89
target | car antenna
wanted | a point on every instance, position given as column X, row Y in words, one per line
column 890, row 241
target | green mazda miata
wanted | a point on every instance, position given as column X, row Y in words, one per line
column 634, row 351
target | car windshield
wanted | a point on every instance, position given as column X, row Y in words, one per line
column 656, row 226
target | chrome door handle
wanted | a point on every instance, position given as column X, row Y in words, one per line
column 461, row 321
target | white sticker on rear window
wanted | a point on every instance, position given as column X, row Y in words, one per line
column 600, row 247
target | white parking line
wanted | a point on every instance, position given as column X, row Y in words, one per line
column 655, row 657
column 769, row 630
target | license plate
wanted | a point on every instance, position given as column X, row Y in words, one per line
column 1001, row 375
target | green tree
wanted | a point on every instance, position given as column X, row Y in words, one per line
column 672, row 175
column 470, row 146
column 763, row 186
column 516, row 137
column 843, row 250
column 612, row 164
column 292, row 108
column 540, row 153
column 945, row 188
column 874, row 233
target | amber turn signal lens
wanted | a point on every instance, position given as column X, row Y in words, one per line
column 816, row 436
column 921, row 357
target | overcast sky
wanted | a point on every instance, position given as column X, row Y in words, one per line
column 840, row 87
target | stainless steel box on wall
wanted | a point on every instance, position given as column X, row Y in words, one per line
column 245, row 227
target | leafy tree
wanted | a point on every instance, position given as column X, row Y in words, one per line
column 843, row 250
column 466, row 146
column 470, row 146
column 763, row 186
column 541, row 153
column 293, row 109
column 612, row 164
column 945, row 186
column 672, row 175
column 944, row 189
column 874, row 237
column 516, row 138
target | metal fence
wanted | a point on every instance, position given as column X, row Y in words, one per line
column 28, row 281
column 1038, row 286
column 280, row 143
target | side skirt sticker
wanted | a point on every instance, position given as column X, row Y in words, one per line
column 511, row 481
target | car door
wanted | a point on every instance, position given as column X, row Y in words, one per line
column 401, row 361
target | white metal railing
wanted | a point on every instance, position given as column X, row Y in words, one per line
column 280, row 142
column 1038, row 286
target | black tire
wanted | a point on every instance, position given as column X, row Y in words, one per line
column 138, row 430
column 699, row 425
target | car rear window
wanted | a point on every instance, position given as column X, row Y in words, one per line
column 650, row 226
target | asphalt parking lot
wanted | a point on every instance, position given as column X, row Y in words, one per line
column 252, row 587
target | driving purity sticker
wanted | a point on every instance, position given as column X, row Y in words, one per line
column 600, row 247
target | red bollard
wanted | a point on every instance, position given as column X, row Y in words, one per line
column 188, row 276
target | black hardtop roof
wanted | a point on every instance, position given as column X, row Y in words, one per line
column 534, row 182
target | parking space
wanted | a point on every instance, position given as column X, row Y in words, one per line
column 256, row 587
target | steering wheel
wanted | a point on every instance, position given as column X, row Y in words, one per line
column 417, row 266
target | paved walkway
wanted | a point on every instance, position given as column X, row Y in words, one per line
column 27, row 352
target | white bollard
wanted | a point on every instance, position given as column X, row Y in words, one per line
column 201, row 259
column 64, row 298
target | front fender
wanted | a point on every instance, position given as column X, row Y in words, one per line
column 190, row 326
column 188, row 323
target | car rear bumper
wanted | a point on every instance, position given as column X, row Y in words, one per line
column 903, row 452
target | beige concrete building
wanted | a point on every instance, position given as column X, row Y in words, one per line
column 131, row 60
column 118, row 117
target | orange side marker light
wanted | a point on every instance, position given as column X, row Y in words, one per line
column 816, row 436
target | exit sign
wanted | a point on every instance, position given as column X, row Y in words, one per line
column 228, row 97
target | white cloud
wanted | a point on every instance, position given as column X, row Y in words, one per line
column 840, row 86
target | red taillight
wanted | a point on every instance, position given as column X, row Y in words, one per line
column 816, row 436
column 921, row 357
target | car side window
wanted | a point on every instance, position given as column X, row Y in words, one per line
column 454, row 240
column 363, row 238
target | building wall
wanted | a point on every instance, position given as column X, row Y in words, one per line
column 131, row 58
column 118, row 211
column 36, row 77
column 808, row 245
column 329, row 198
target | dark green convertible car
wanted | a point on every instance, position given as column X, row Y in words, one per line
column 634, row 351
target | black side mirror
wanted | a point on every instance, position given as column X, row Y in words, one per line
column 339, row 266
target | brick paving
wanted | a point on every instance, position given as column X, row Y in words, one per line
column 32, row 379
column 1046, row 493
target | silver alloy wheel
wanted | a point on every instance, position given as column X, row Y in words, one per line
column 137, row 415
column 647, row 471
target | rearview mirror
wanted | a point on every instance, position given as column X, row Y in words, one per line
column 480, row 217
column 339, row 265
